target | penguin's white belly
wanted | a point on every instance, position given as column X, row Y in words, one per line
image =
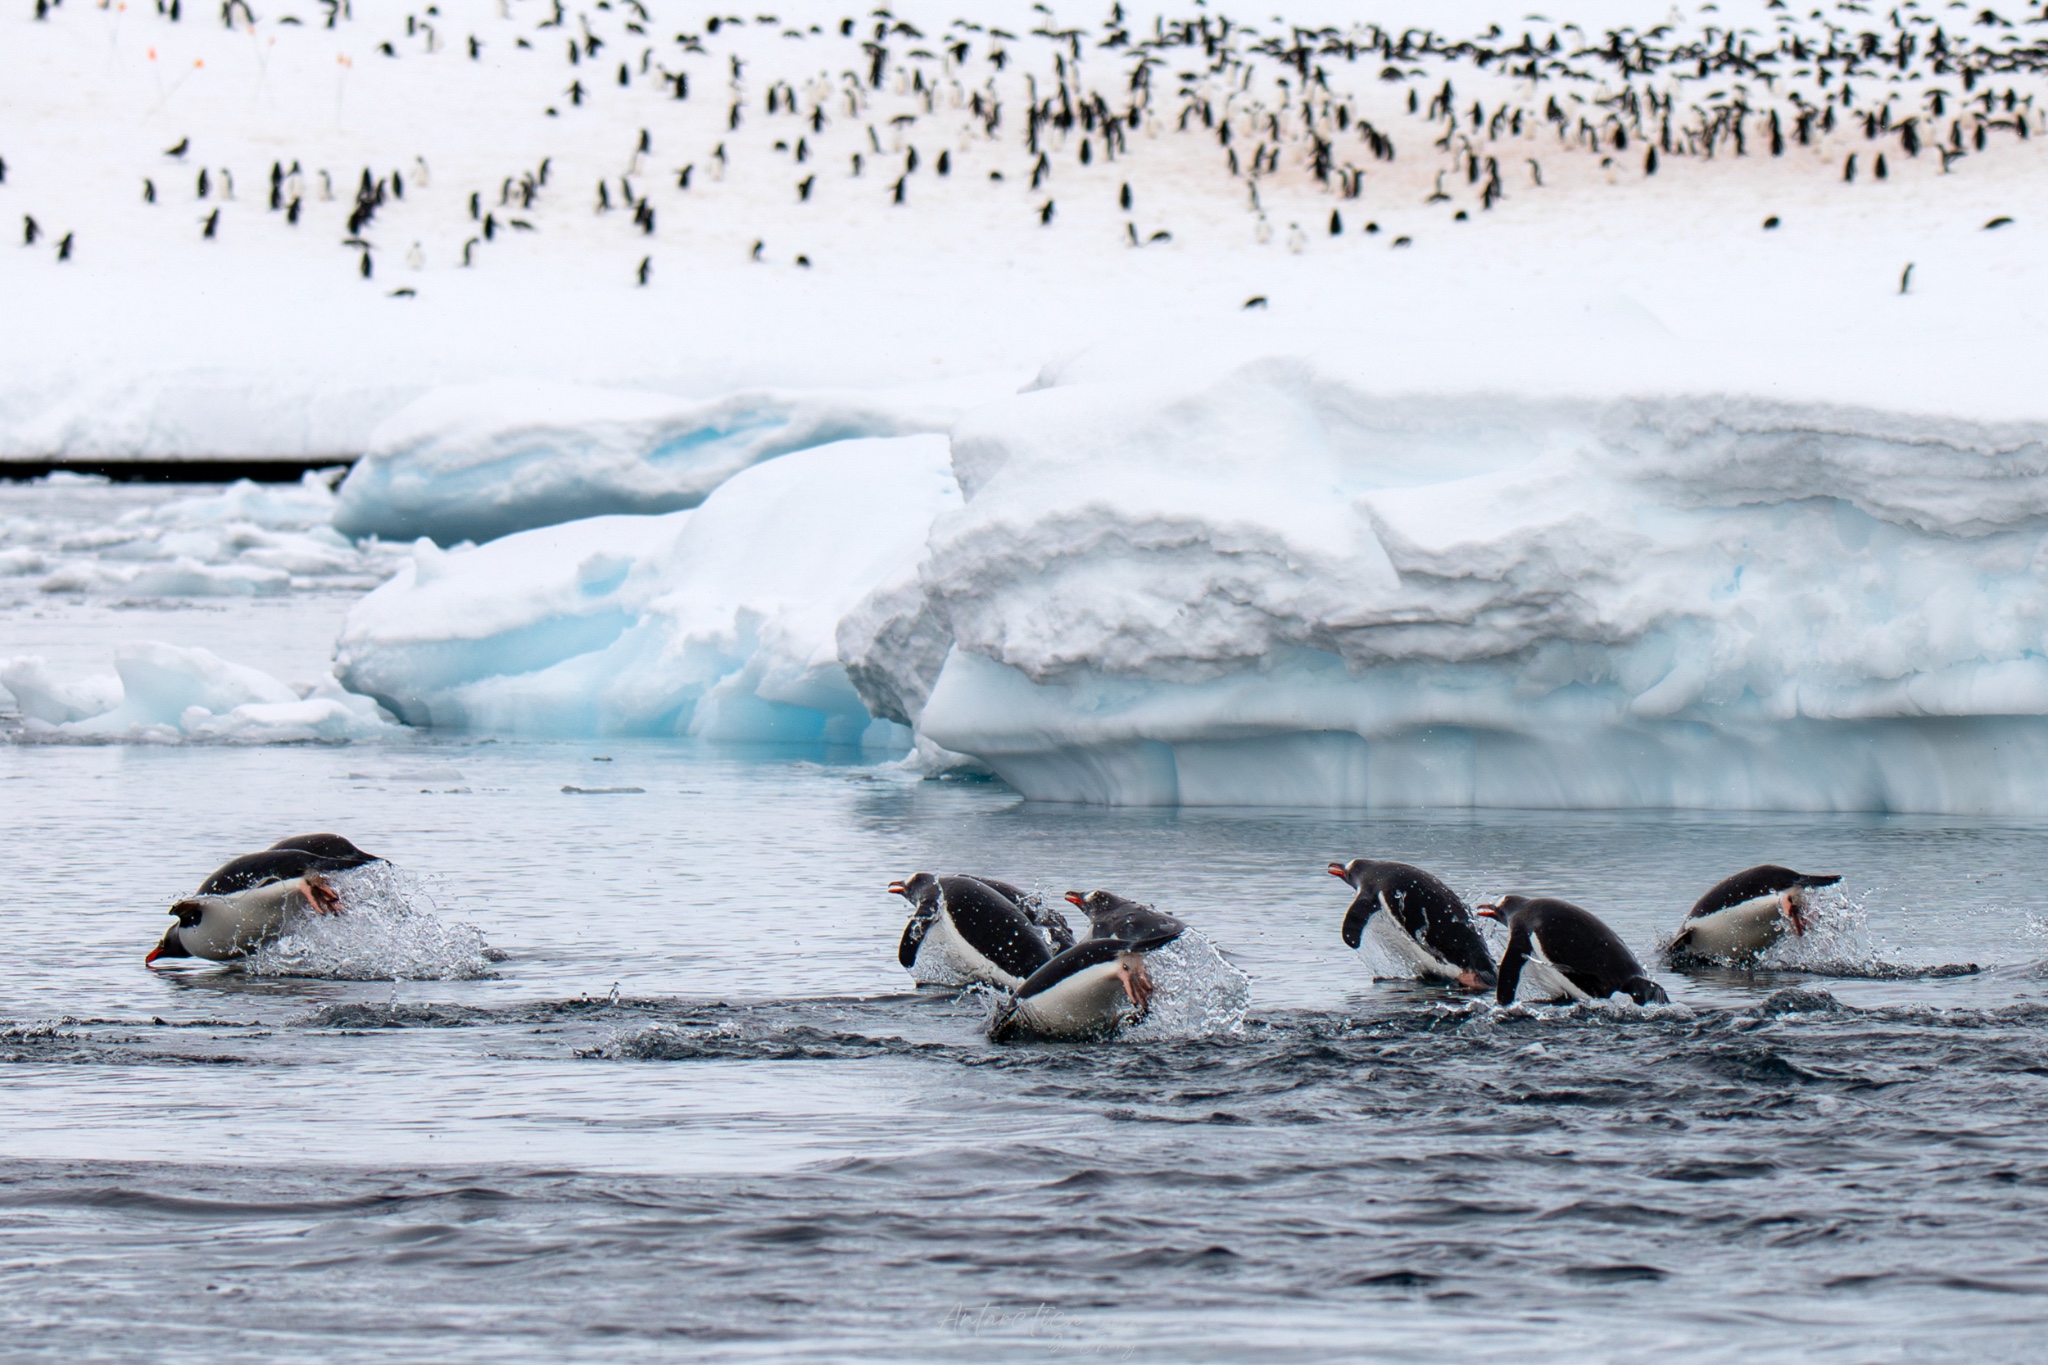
column 1739, row 931
column 963, row 958
column 231, row 926
column 1540, row 982
column 1090, row 1001
column 1394, row 941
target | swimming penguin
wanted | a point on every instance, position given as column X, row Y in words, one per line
column 220, row 927
column 976, row 930
column 1099, row 983
column 284, row 860
column 1111, row 916
column 1424, row 924
column 1564, row 953
column 1746, row 913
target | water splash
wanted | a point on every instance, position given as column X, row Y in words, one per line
column 1196, row 993
column 388, row 931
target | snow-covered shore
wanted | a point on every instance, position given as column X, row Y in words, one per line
column 1651, row 420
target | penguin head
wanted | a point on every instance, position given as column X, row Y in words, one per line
column 170, row 946
column 917, row 888
column 1100, row 903
column 1353, row 872
column 1504, row 909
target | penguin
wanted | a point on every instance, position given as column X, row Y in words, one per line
column 1746, row 913
column 222, row 927
column 1099, row 984
column 976, row 930
column 1111, row 916
column 1565, row 953
column 1425, row 925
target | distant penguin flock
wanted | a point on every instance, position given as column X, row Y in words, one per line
column 1271, row 109
column 986, row 932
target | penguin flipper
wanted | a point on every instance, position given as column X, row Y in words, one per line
column 913, row 936
column 1511, row 959
column 1355, row 918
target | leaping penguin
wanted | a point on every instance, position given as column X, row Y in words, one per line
column 1564, row 953
column 974, row 928
column 1417, row 919
column 249, row 900
column 222, row 927
column 1746, row 913
column 1099, row 983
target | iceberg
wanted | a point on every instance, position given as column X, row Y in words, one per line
column 720, row 621
column 479, row 461
column 1276, row 586
column 167, row 693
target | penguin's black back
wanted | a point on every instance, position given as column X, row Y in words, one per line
column 1430, row 911
column 995, row 926
column 284, row 860
column 1579, row 945
column 1767, row 879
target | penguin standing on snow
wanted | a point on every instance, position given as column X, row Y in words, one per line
column 970, row 927
column 1099, row 983
column 1560, row 952
column 1417, row 919
column 1746, row 913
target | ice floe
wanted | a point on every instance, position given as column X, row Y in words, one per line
column 168, row 694
column 720, row 621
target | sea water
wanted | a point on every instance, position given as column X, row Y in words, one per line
column 639, row 1075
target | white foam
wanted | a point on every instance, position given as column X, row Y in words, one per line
column 388, row 930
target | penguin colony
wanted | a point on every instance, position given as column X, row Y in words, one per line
column 1301, row 131
column 984, row 931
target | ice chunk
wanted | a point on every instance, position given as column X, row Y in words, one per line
column 720, row 621
column 479, row 461
column 166, row 693
column 1278, row 588
column 57, row 701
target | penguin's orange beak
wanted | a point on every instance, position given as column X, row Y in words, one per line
column 154, row 954
column 1336, row 869
column 895, row 888
column 1491, row 912
column 1076, row 898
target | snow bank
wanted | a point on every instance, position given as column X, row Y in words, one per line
column 1275, row 586
column 161, row 692
column 720, row 621
column 479, row 461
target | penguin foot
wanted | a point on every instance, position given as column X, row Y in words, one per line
column 321, row 896
column 1130, row 969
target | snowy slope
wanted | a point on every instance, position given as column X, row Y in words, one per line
column 266, row 338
